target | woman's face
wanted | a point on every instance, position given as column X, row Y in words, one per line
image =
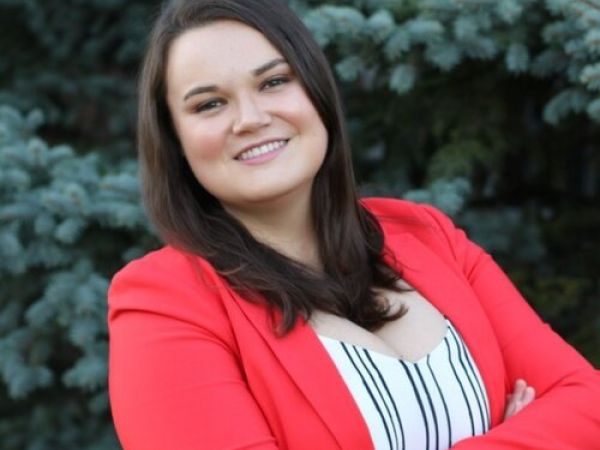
column 248, row 130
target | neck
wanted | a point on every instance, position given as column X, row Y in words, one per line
column 286, row 225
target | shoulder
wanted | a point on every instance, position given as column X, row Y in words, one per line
column 166, row 281
column 166, row 262
column 401, row 216
column 424, row 223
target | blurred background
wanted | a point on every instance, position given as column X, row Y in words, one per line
column 488, row 109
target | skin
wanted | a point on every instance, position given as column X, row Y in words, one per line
column 243, row 108
column 271, row 199
column 519, row 399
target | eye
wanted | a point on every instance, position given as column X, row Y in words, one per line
column 275, row 81
column 209, row 105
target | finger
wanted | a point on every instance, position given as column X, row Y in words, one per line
column 517, row 388
column 520, row 386
column 511, row 405
column 529, row 395
column 521, row 397
column 522, row 393
column 509, row 411
column 511, row 400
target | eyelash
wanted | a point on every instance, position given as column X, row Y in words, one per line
column 278, row 79
column 282, row 79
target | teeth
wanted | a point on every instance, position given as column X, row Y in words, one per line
column 261, row 150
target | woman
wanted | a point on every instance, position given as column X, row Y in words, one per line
column 285, row 313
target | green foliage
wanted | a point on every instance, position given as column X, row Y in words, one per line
column 448, row 195
column 66, row 223
column 444, row 34
column 77, row 61
column 561, row 287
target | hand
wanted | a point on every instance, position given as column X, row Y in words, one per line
column 519, row 399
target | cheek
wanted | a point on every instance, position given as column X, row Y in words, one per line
column 202, row 143
column 318, row 133
column 204, row 151
column 313, row 123
column 206, row 174
column 302, row 114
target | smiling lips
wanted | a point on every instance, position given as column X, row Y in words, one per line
column 261, row 150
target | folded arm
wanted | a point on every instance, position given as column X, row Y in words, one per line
column 564, row 414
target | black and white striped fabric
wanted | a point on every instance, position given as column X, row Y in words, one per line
column 429, row 404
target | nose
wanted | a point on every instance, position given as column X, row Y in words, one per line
column 250, row 115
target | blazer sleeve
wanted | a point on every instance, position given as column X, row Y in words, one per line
column 565, row 414
column 174, row 380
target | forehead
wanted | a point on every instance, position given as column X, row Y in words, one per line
column 216, row 51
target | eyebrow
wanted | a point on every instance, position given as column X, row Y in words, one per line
column 256, row 72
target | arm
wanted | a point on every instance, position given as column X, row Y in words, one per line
column 565, row 413
column 174, row 383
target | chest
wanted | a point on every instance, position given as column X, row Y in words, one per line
column 410, row 337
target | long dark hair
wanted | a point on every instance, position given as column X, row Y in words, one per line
column 188, row 217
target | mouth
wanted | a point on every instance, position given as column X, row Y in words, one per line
column 261, row 150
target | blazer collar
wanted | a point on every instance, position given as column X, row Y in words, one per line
column 315, row 374
column 452, row 295
column 308, row 364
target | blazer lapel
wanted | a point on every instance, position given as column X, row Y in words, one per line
column 312, row 370
column 452, row 296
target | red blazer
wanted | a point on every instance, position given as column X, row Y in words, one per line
column 195, row 366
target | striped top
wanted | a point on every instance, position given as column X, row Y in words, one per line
column 429, row 404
